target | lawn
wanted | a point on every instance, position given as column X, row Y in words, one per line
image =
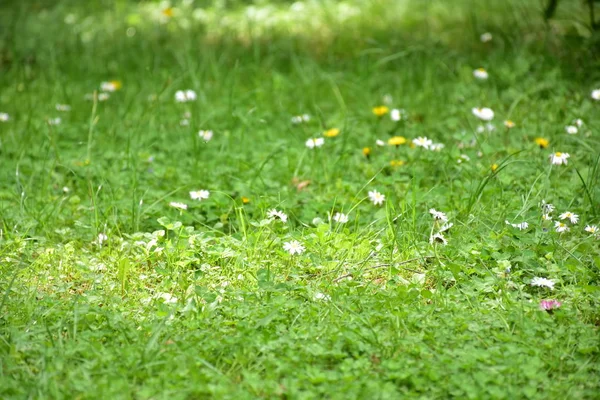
column 343, row 200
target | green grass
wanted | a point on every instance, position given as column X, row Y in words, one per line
column 371, row 309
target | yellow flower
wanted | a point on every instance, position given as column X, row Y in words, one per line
column 509, row 124
column 366, row 151
column 397, row 140
column 397, row 163
column 117, row 84
column 331, row 132
column 380, row 111
column 543, row 143
column 494, row 167
column 245, row 200
column 168, row 12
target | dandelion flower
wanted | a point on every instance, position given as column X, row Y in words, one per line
column 485, row 37
column 559, row 158
column 366, row 151
column 183, row 96
column 596, row 94
column 205, row 135
column 438, row 215
column 397, row 163
column 509, row 124
column 340, row 218
column 484, row 114
column 494, row 167
column 397, row 140
column 376, row 197
column 561, row 227
column 574, row 218
column 591, row 229
column 293, row 247
column 180, row 206
column 245, row 200
column 571, row 130
column 423, row 142
column 314, row 142
column 549, row 305
column 542, row 282
column 543, row 143
column 63, row 107
column 333, row 132
column 480, row 74
column 274, row 214
column 4, row 117
column 199, row 195
column 381, row 111
column 438, row 238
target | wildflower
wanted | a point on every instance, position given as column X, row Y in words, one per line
column 167, row 298
column 463, row 157
column 571, row 130
column 180, row 206
column 380, row 143
column 103, row 96
column 543, row 143
column 537, row 281
column 182, row 96
column 485, row 37
column 438, row 215
column 199, row 194
column 436, row 146
column 395, row 115
column 397, row 140
column 167, row 12
column 54, row 121
column 521, row 226
column 549, row 305
column 591, row 229
column 366, row 151
column 572, row 217
column 4, row 117
column 397, row 163
column 340, row 218
column 245, row 200
column 438, row 238
column 484, row 114
column 205, row 135
column 559, row 158
column 110, row 86
column 423, row 142
column 381, row 111
column 101, row 238
column 509, row 124
column 494, row 167
column 578, row 122
column 298, row 119
column 480, row 73
column 293, row 247
column 333, row 132
column 561, row 227
column 376, row 197
column 274, row 214
column 596, row 94
column 63, row 107
column 547, row 207
column 546, row 217
column 316, row 142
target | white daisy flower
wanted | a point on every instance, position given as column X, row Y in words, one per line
column 298, row 119
column 109, row 86
column 578, row 122
column 103, row 96
column 521, row 226
column 199, row 194
column 4, row 117
column 315, row 142
column 438, row 215
column 484, row 114
column 276, row 214
column 596, row 94
column 542, row 282
column 340, row 218
column 486, row 37
column 438, row 238
column 436, row 146
column 591, row 229
column 376, row 197
column 180, row 206
column 481, row 74
column 559, row 158
column 63, row 107
column 422, row 142
column 571, row 130
column 380, row 142
column 561, row 227
column 395, row 115
column 183, row 96
column 54, row 121
column 574, row 218
column 293, row 247
column 205, row 135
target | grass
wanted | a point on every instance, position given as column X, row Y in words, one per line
column 109, row 292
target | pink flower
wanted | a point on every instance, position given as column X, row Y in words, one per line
column 549, row 305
